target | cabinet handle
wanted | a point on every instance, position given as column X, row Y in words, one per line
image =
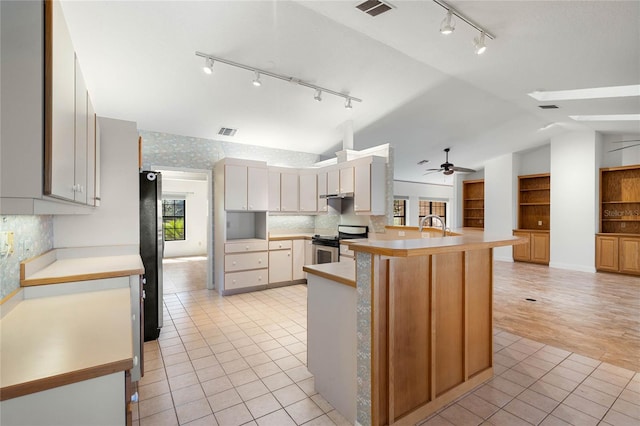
column 234, row 281
column 246, row 248
column 244, row 207
column 234, row 263
column 250, row 207
column 289, row 254
column 260, row 278
column 135, row 360
column 259, row 260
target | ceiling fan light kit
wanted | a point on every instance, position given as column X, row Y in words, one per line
column 208, row 69
column 448, row 26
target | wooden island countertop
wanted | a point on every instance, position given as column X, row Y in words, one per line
column 340, row 272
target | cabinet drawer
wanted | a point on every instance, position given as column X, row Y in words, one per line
column 246, row 246
column 242, row 261
column 234, row 280
column 280, row 245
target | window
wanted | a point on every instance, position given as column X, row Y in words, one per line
column 399, row 212
column 432, row 207
column 173, row 220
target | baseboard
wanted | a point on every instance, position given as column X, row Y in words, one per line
column 570, row 267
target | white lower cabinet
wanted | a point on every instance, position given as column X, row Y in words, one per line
column 244, row 261
column 280, row 261
column 242, row 279
column 298, row 259
column 246, row 264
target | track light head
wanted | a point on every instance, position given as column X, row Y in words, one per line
column 256, row 81
column 448, row 25
column 479, row 44
column 347, row 104
column 208, row 66
column 318, row 95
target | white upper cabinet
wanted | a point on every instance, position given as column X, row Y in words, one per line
column 91, row 154
column 60, row 144
column 257, row 188
column 333, row 182
column 308, row 192
column 322, row 190
column 245, row 188
column 81, row 140
column 346, row 180
column 274, row 191
column 289, row 191
column 370, row 187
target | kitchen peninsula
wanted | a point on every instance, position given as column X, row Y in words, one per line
column 420, row 321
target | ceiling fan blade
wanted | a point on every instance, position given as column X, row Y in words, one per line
column 630, row 140
column 431, row 171
column 624, row 147
column 423, row 162
column 462, row 169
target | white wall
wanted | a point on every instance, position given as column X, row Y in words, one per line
column 195, row 194
column 116, row 221
column 416, row 191
column 535, row 161
column 500, row 189
column 574, row 200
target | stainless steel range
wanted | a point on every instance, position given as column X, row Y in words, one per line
column 326, row 248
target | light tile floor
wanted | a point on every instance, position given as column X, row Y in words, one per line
column 241, row 360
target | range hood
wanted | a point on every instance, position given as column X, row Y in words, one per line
column 344, row 195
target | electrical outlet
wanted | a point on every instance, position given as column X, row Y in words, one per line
column 6, row 243
column 539, row 223
column 400, row 233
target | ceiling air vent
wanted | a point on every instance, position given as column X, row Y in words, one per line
column 374, row 7
column 225, row 131
column 548, row 106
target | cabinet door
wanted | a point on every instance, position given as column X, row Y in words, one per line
column 630, row 255
column 91, row 153
column 98, row 168
column 322, row 190
column 257, row 189
column 522, row 252
column 298, row 261
column 59, row 150
column 539, row 247
column 308, row 252
column 333, row 182
column 80, row 167
column 308, row 193
column 606, row 253
column 362, row 193
column 280, row 266
column 242, row 279
column 235, row 187
column 289, row 192
column 274, row 191
column 346, row 180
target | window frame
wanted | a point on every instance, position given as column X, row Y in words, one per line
column 174, row 218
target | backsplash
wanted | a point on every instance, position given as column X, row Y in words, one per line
column 33, row 235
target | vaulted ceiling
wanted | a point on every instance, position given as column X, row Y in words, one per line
column 421, row 91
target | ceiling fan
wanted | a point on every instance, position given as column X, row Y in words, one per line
column 447, row 168
column 625, row 147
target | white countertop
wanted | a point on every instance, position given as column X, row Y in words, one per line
column 53, row 341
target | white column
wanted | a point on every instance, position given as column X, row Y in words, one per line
column 500, row 200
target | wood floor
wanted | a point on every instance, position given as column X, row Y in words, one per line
column 596, row 315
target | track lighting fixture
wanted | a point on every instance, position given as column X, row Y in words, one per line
column 447, row 26
column 256, row 81
column 208, row 68
column 479, row 44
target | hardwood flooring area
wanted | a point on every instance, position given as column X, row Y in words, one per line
column 184, row 274
column 596, row 315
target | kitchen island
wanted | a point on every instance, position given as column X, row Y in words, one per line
column 423, row 323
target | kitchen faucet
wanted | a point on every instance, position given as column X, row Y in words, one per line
column 434, row 216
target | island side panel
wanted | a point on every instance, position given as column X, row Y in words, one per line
column 448, row 305
column 409, row 331
column 479, row 315
column 366, row 400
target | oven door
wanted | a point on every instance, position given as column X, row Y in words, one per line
column 325, row 254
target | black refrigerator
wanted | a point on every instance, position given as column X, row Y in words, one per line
column 151, row 251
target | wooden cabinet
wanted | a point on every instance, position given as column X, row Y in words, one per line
column 618, row 243
column 369, row 187
column 308, row 192
column 536, row 250
column 534, row 214
column 245, row 188
column 473, row 204
column 618, row 253
column 280, row 261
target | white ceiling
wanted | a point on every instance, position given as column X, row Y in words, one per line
column 421, row 91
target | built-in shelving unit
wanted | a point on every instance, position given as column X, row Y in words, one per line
column 618, row 243
column 534, row 214
column 473, row 203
